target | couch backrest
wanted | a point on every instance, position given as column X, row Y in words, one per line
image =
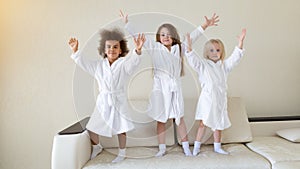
column 269, row 128
column 144, row 133
column 239, row 131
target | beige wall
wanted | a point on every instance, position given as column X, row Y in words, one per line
column 36, row 98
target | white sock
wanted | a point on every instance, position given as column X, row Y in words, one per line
column 96, row 149
column 218, row 149
column 121, row 156
column 186, row 148
column 162, row 150
column 197, row 146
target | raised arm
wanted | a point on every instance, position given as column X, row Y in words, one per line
column 133, row 61
column 149, row 44
column 73, row 43
column 194, row 36
column 85, row 64
column 237, row 54
column 138, row 43
column 193, row 59
column 210, row 21
column 241, row 38
column 124, row 17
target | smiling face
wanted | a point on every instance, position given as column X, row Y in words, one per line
column 165, row 37
column 112, row 50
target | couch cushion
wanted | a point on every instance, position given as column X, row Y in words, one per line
column 275, row 149
column 292, row 134
column 239, row 131
column 287, row 165
column 144, row 133
column 240, row 157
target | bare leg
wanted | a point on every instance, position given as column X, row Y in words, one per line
column 96, row 147
column 217, row 143
column 161, row 128
column 182, row 130
column 197, row 143
column 161, row 134
column 200, row 131
column 217, row 136
column 94, row 138
column 122, row 140
column 184, row 138
column 122, row 146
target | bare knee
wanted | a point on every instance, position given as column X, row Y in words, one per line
column 161, row 127
column 94, row 137
column 201, row 125
column 160, row 124
column 122, row 134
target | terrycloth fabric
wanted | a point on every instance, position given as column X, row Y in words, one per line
column 212, row 104
column 239, row 132
column 110, row 116
column 166, row 99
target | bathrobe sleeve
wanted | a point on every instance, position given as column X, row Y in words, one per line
column 195, row 35
column 87, row 65
column 233, row 60
column 149, row 44
column 195, row 61
column 132, row 62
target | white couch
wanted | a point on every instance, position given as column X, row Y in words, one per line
column 251, row 145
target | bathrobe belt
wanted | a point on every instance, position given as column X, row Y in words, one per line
column 111, row 96
column 174, row 89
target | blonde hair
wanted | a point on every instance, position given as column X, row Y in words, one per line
column 208, row 45
column 175, row 40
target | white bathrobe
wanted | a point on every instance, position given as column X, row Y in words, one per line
column 110, row 116
column 166, row 99
column 212, row 103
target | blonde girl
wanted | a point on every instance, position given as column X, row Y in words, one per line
column 213, row 70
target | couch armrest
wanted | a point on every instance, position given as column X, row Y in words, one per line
column 70, row 150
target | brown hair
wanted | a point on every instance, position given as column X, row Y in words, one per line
column 114, row 34
column 175, row 40
column 210, row 43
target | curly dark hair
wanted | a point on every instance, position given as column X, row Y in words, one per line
column 114, row 34
column 175, row 38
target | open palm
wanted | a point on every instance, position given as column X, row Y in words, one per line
column 73, row 43
column 139, row 41
column 241, row 37
column 124, row 16
column 212, row 21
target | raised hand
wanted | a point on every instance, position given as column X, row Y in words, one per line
column 73, row 43
column 241, row 38
column 211, row 21
column 189, row 42
column 139, row 42
column 124, row 16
